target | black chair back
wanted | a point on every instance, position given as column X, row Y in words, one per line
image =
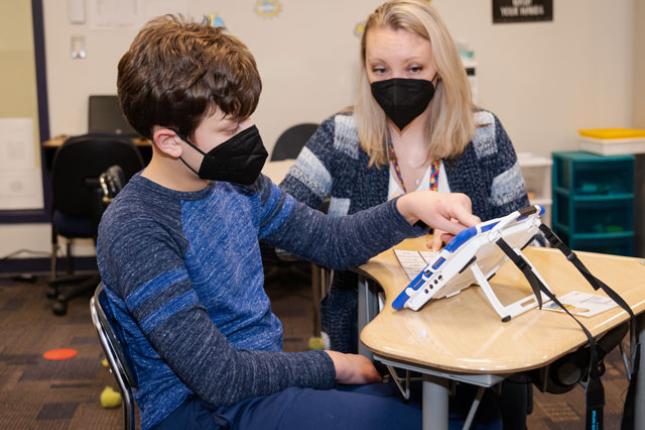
column 292, row 140
column 79, row 162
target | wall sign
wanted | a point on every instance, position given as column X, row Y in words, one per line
column 507, row 11
column 268, row 8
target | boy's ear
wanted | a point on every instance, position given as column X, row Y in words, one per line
column 167, row 141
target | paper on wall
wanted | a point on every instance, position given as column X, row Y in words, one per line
column 20, row 172
column 114, row 14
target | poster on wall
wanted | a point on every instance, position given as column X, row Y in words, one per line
column 113, row 14
column 20, row 174
column 509, row 11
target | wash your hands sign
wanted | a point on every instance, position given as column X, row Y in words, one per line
column 508, row 11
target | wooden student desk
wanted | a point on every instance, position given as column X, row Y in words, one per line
column 463, row 339
column 57, row 141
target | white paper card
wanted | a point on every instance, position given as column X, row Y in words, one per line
column 583, row 304
column 20, row 174
column 412, row 262
column 114, row 14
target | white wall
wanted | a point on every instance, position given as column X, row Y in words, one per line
column 544, row 80
column 639, row 64
column 306, row 56
column 639, row 119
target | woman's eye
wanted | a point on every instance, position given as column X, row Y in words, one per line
column 415, row 69
column 378, row 70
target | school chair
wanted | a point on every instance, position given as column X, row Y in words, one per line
column 77, row 203
column 291, row 141
column 114, row 352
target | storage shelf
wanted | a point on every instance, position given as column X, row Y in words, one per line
column 536, row 171
column 561, row 227
column 594, row 197
column 593, row 201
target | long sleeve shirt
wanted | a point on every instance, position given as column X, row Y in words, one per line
column 184, row 280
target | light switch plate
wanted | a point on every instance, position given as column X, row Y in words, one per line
column 77, row 47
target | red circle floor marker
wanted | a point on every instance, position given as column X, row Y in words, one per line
column 60, row 354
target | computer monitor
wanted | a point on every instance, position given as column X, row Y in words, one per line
column 105, row 116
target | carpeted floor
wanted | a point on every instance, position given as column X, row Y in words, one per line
column 40, row 394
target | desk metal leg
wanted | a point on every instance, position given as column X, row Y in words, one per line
column 316, row 288
column 367, row 309
column 639, row 405
column 435, row 403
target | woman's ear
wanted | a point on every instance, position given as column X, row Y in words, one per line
column 167, row 141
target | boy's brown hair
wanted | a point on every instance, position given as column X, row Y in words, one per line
column 176, row 72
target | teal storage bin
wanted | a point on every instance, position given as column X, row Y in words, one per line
column 611, row 216
column 590, row 174
column 593, row 203
column 608, row 244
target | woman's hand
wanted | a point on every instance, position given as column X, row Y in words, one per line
column 353, row 368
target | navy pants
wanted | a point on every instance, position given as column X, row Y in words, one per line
column 372, row 406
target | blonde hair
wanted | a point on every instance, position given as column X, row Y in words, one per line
column 450, row 123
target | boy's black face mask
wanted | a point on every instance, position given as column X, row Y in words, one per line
column 239, row 159
column 403, row 100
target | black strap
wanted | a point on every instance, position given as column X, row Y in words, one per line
column 595, row 395
column 627, row 422
column 524, row 268
column 628, row 409
column 596, row 283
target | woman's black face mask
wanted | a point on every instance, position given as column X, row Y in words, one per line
column 403, row 100
column 239, row 159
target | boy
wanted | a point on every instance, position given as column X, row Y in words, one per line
column 179, row 256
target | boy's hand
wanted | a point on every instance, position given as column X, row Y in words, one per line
column 353, row 368
column 450, row 212
column 439, row 237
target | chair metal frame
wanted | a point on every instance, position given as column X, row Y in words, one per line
column 116, row 358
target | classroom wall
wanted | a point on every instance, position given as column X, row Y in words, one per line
column 544, row 80
column 639, row 65
column 639, row 119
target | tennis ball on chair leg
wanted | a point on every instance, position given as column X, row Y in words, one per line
column 321, row 342
column 110, row 398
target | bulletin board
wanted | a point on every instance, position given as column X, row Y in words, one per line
column 23, row 122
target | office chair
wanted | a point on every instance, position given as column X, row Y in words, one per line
column 291, row 141
column 77, row 203
column 114, row 352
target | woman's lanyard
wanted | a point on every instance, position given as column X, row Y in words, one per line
column 435, row 165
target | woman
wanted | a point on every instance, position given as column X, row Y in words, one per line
column 413, row 126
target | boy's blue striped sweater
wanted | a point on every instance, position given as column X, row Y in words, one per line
column 184, row 278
